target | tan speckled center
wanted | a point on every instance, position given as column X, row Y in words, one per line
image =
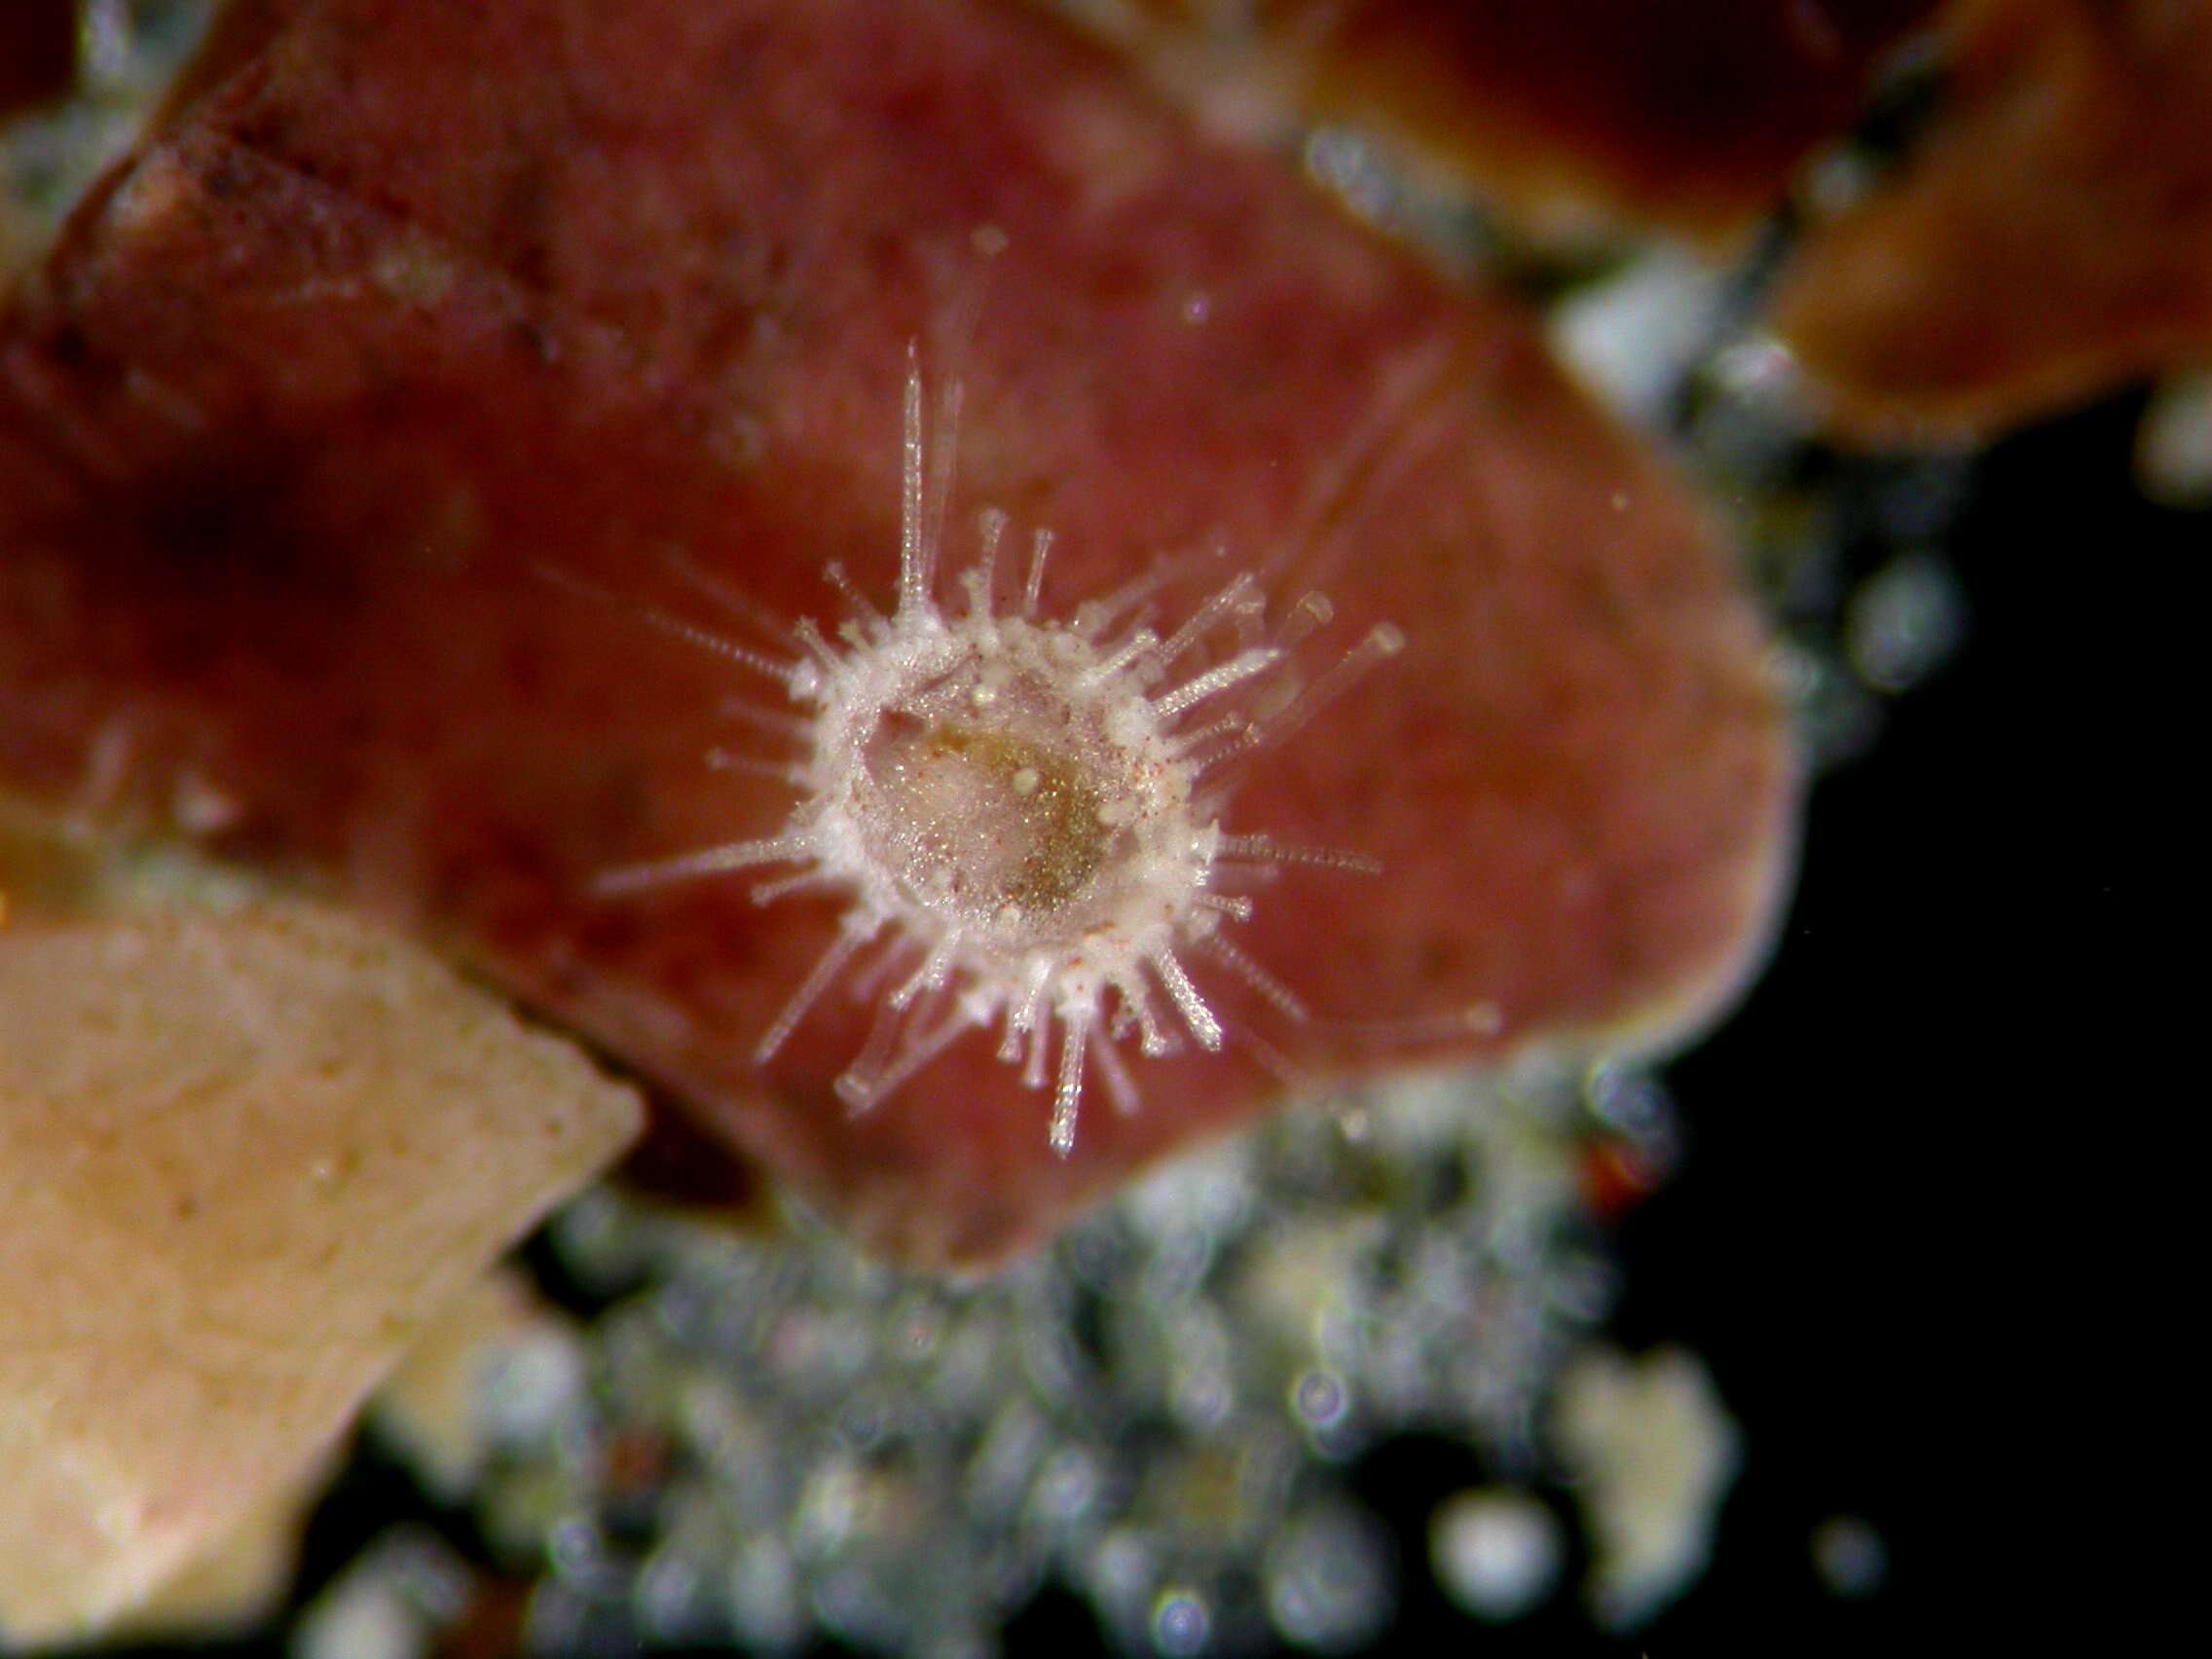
column 991, row 819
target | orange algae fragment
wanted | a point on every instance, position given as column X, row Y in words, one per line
column 2051, row 238
column 243, row 1158
column 1575, row 113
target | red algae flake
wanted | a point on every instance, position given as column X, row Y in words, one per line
column 406, row 309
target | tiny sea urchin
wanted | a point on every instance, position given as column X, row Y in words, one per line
column 1021, row 812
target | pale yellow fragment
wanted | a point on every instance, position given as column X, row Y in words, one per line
column 244, row 1159
column 433, row 1411
column 1654, row 1452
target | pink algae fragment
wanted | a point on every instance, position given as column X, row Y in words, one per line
column 404, row 302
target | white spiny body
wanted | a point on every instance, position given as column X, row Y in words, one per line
column 1013, row 809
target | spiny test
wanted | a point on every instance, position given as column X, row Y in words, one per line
column 1020, row 813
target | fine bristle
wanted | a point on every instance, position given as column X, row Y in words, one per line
column 1067, row 1093
column 1241, row 595
column 674, row 627
column 741, row 605
column 1381, row 643
column 825, row 969
column 914, row 571
column 1187, row 1003
column 1215, row 681
column 706, row 860
column 752, row 765
column 1153, row 1038
column 982, row 578
column 1039, row 548
column 1266, row 849
column 863, row 607
column 1277, row 995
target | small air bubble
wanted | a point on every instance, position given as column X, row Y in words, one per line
column 1320, row 1399
column 1180, row 1623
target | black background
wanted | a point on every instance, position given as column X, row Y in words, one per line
column 1889, row 1238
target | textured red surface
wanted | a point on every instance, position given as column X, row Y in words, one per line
column 2050, row 240
column 407, row 299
